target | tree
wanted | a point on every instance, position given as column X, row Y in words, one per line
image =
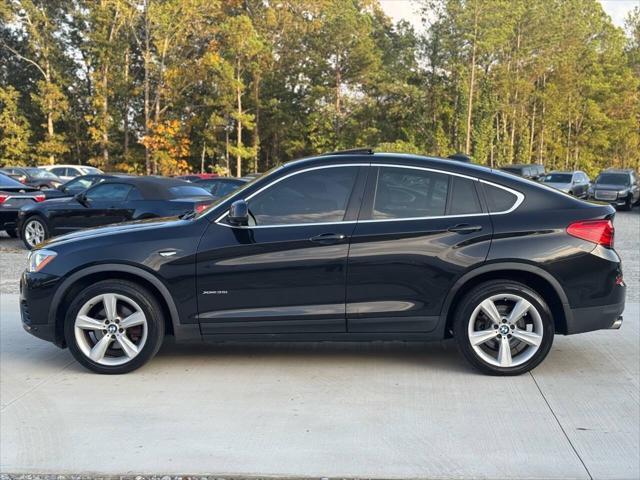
column 14, row 130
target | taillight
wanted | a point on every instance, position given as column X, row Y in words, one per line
column 201, row 207
column 3, row 198
column 596, row 231
column 39, row 198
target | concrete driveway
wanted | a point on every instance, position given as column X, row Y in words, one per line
column 376, row 410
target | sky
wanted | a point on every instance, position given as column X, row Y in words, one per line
column 405, row 10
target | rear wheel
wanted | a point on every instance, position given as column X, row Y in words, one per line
column 503, row 328
column 34, row 231
column 114, row 327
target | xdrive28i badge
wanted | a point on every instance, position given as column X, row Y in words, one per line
column 215, row 292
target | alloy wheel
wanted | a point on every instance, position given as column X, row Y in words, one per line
column 110, row 329
column 34, row 232
column 505, row 330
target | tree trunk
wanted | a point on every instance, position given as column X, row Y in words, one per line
column 125, row 116
column 204, row 151
column 472, row 81
column 147, row 54
column 256, row 129
column 238, row 124
column 105, row 115
column 533, row 127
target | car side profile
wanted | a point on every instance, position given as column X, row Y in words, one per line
column 33, row 177
column 69, row 172
column 13, row 196
column 114, row 200
column 359, row 246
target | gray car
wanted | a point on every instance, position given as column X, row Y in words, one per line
column 574, row 183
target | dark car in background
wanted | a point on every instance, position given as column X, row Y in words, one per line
column 78, row 185
column 221, row 186
column 193, row 177
column 114, row 200
column 618, row 187
column 33, row 177
column 532, row 171
column 13, row 196
column 574, row 183
column 340, row 247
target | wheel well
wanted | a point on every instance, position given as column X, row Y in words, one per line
column 92, row 278
column 536, row 282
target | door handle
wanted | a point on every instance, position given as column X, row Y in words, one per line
column 464, row 228
column 328, row 238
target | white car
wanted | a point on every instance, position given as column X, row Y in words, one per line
column 68, row 172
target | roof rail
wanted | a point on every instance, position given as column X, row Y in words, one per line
column 353, row 151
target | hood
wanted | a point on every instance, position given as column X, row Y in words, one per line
column 109, row 230
column 610, row 186
column 565, row 187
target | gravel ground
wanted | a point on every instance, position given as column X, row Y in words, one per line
column 13, row 255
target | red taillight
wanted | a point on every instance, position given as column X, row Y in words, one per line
column 201, row 207
column 3, row 198
column 596, row 231
column 39, row 198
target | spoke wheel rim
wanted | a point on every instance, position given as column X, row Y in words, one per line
column 505, row 330
column 34, row 232
column 111, row 329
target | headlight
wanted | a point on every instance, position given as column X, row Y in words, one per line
column 39, row 258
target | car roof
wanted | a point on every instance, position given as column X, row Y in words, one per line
column 151, row 187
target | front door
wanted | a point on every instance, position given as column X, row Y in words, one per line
column 286, row 272
column 418, row 232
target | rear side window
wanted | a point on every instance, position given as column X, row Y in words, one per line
column 499, row 199
column 464, row 198
column 309, row 197
column 409, row 193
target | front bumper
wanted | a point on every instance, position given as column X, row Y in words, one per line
column 36, row 295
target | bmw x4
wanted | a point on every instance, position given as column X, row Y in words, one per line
column 351, row 246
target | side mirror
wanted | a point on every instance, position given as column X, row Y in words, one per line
column 239, row 213
column 81, row 198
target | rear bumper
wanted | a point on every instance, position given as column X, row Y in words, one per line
column 595, row 318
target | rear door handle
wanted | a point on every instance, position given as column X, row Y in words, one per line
column 465, row 228
column 329, row 238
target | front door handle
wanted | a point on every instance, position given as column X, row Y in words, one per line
column 464, row 228
column 329, row 238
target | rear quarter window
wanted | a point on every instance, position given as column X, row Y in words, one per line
column 499, row 199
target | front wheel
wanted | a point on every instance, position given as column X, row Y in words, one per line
column 34, row 231
column 114, row 326
column 503, row 328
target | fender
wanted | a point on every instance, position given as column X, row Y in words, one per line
column 493, row 267
column 181, row 331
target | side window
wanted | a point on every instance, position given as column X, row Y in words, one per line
column 225, row 187
column 464, row 198
column 409, row 193
column 309, row 197
column 499, row 199
column 109, row 191
column 134, row 194
column 61, row 172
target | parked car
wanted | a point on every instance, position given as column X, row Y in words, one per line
column 33, row 177
column 194, row 177
column 574, row 183
column 618, row 187
column 221, row 186
column 532, row 171
column 13, row 196
column 69, row 172
column 354, row 247
column 111, row 201
column 251, row 176
column 77, row 185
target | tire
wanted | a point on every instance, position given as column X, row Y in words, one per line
column 489, row 354
column 88, row 326
column 31, row 229
column 628, row 204
column 11, row 232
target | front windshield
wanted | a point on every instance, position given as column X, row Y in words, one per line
column 613, row 179
column 38, row 173
column 558, row 178
column 237, row 191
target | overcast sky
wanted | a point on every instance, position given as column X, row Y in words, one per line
column 405, row 9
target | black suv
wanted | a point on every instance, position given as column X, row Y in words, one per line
column 341, row 247
column 618, row 187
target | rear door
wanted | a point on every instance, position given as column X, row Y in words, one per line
column 419, row 230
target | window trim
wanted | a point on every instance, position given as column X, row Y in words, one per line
column 519, row 198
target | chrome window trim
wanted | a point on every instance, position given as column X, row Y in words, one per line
column 517, row 203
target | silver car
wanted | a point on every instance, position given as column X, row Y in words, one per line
column 575, row 183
